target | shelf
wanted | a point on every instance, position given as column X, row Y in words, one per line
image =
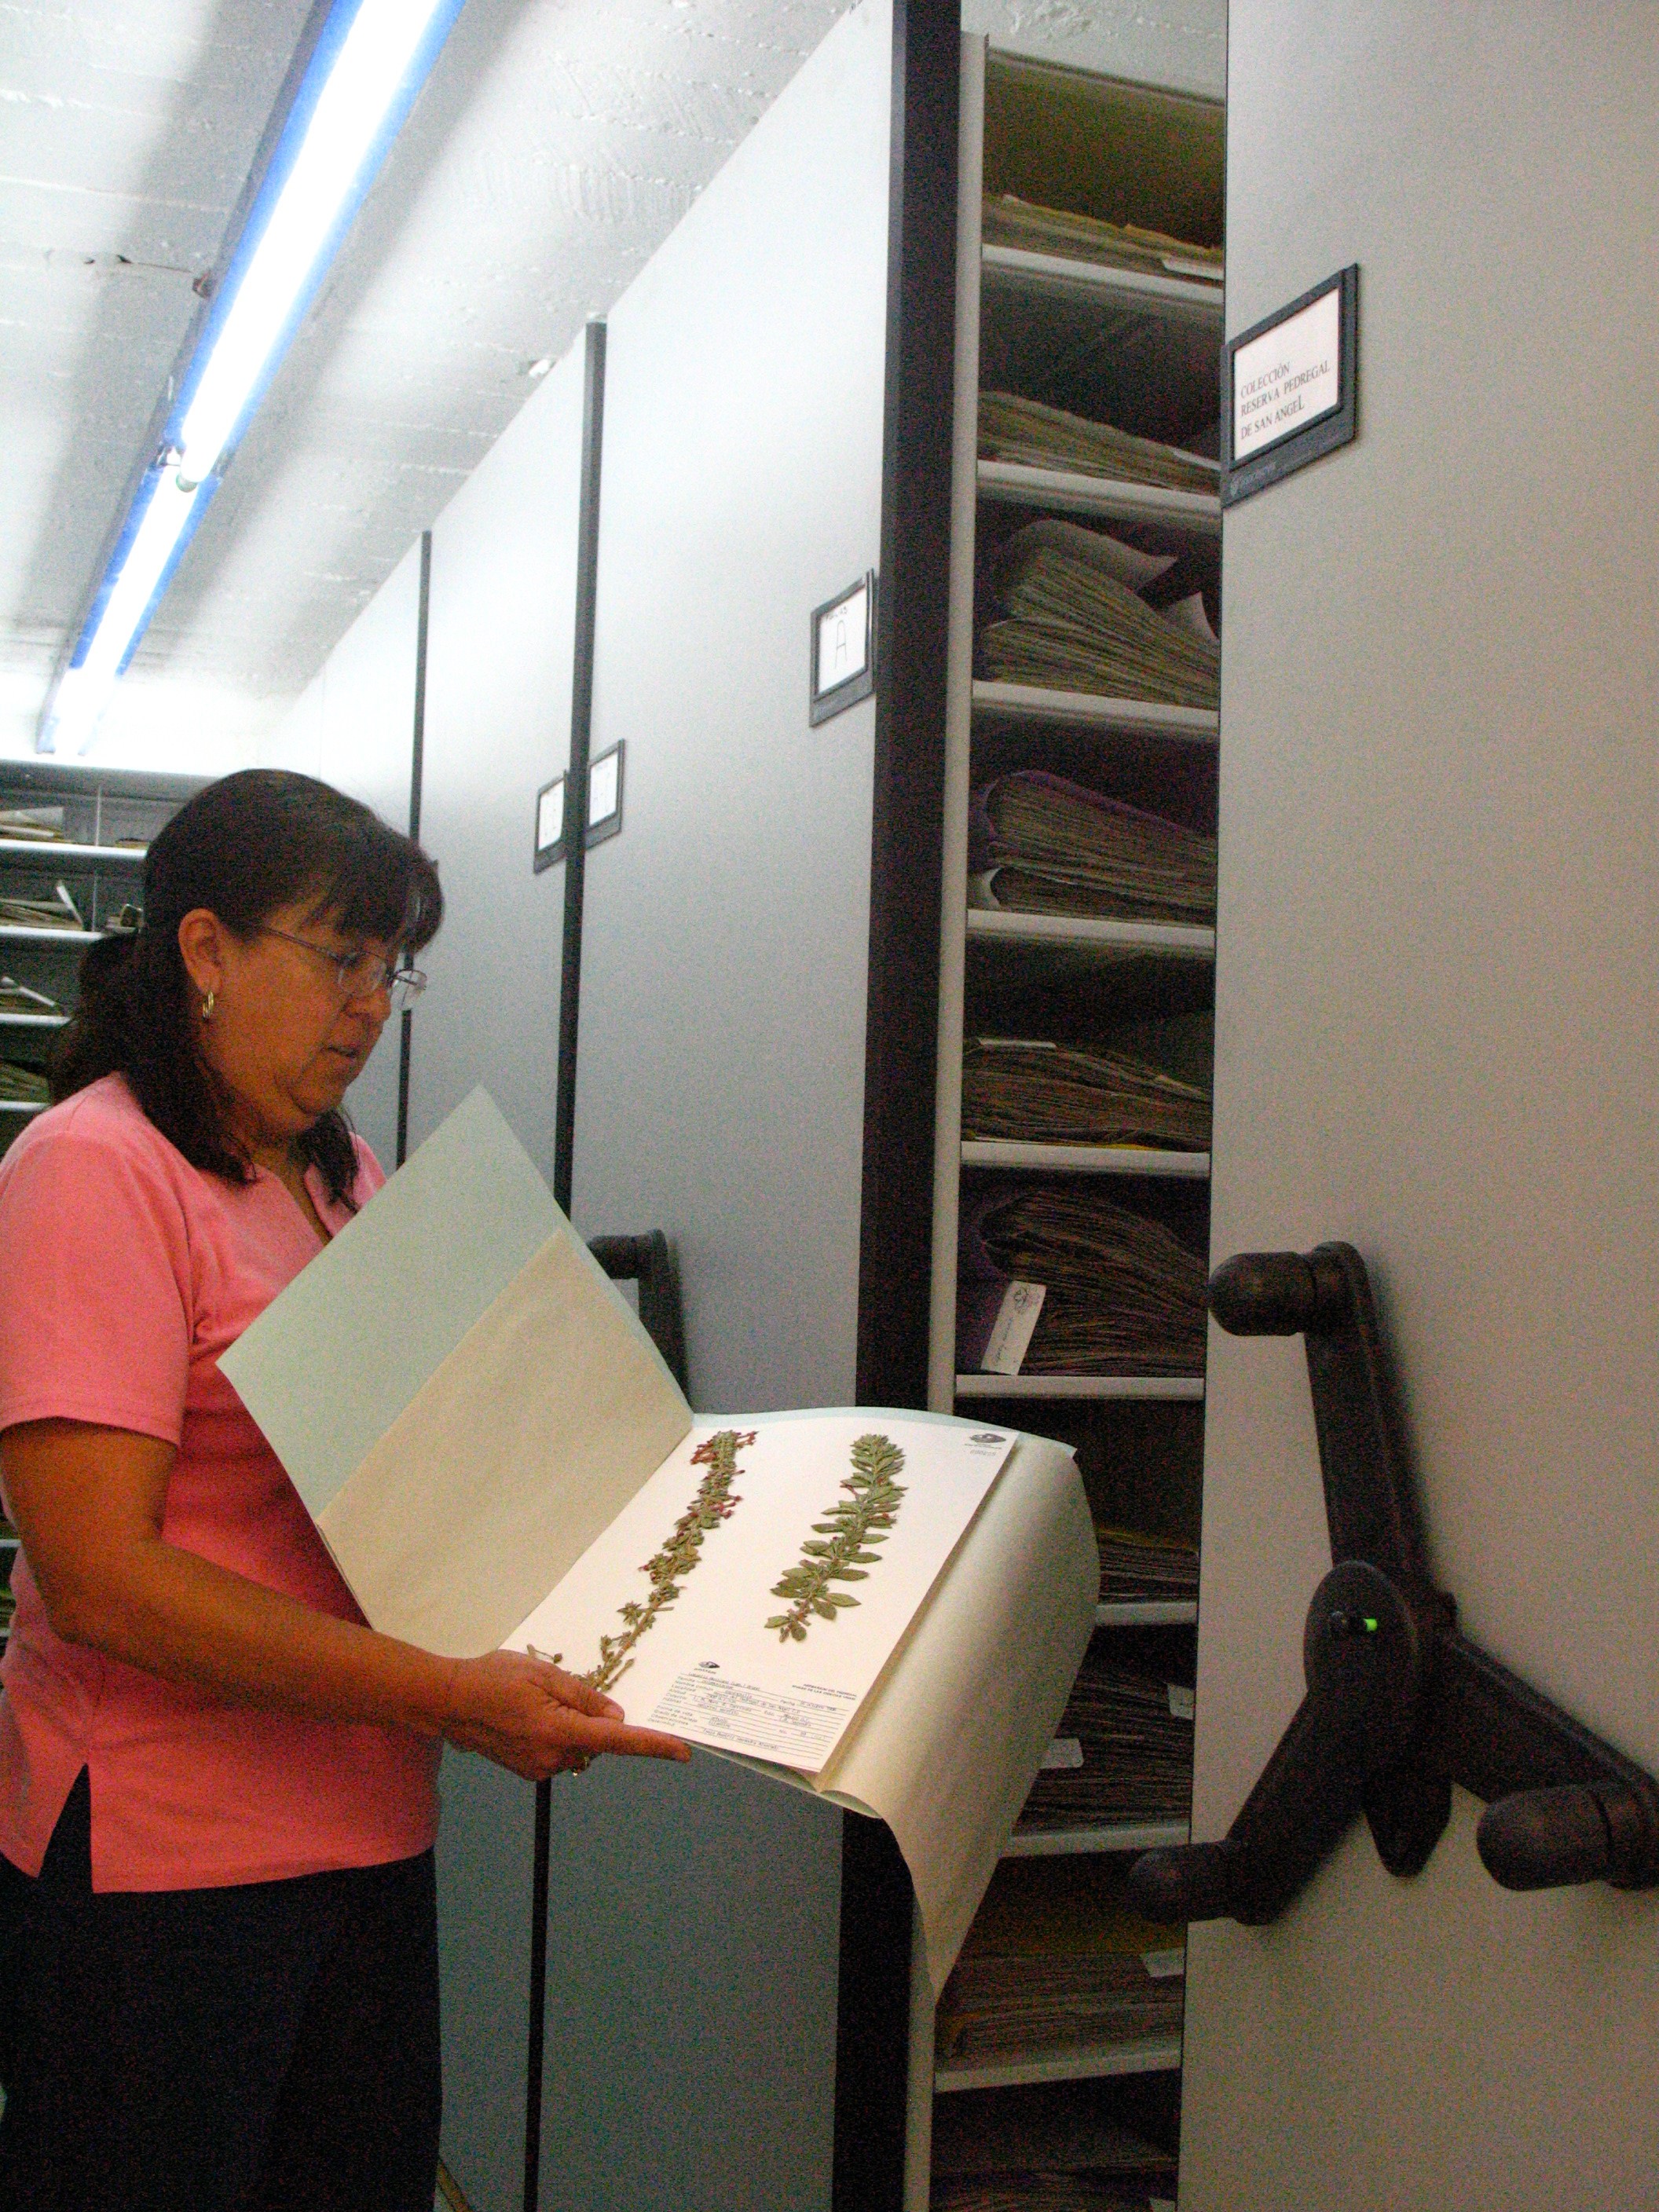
column 1147, row 1612
column 1066, row 492
column 1080, row 1843
column 1084, row 1159
column 1150, row 2054
column 14, row 932
column 33, row 1021
column 1031, row 702
column 24, row 1105
column 1090, row 932
column 1080, row 1386
column 1183, row 298
column 29, row 852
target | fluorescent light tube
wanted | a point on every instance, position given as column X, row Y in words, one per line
column 369, row 63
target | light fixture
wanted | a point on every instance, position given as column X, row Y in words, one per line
column 359, row 66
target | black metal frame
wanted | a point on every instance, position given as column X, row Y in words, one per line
column 908, row 798
column 1400, row 1705
column 906, row 873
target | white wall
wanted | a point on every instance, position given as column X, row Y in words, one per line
column 1437, row 1014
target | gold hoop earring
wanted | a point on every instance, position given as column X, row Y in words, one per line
column 207, row 1007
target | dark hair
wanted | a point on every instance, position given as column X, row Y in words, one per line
column 244, row 848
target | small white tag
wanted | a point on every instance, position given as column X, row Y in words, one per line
column 1063, row 1751
column 1011, row 1337
column 1165, row 1965
column 1180, row 1702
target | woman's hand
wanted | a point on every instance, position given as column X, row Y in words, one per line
column 532, row 1717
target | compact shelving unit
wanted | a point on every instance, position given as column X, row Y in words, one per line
column 1143, row 352
column 104, row 819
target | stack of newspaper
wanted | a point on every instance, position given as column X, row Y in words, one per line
column 1070, row 621
column 58, row 912
column 1122, row 1295
column 1052, row 1964
column 1137, row 1567
column 21, row 999
column 1010, row 220
column 1123, row 1752
column 32, row 825
column 1031, row 1092
column 1041, row 844
column 1049, row 2148
column 1034, row 435
column 21, row 1084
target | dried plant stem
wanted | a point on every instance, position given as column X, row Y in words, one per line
column 837, row 1551
column 715, row 1502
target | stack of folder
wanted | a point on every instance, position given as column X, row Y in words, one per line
column 1124, row 1295
column 1137, row 1568
column 1137, row 1755
column 1042, row 2150
column 1010, row 220
column 1034, row 435
column 1070, row 622
column 58, row 912
column 19, row 999
column 1041, row 844
column 1053, row 1964
column 1053, row 2188
column 21, row 1085
column 33, row 825
column 1031, row 1092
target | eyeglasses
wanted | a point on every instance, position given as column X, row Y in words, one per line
column 360, row 975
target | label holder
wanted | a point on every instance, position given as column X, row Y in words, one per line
column 1336, row 426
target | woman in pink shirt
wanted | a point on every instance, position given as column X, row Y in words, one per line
column 217, row 1785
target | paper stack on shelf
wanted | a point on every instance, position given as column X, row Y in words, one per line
column 1040, row 2191
column 58, row 912
column 1041, row 844
column 1073, row 621
column 35, row 825
column 21, row 1085
column 1010, row 220
column 1054, row 1962
column 1042, row 2150
column 1137, row 1566
column 1133, row 1739
column 1034, row 435
column 1032, row 1093
column 1123, row 1294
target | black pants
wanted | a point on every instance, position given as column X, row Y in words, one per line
column 272, row 2047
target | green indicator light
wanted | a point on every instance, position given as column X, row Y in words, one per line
column 1370, row 1625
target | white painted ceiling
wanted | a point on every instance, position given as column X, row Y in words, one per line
column 556, row 144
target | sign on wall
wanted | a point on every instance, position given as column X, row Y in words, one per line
column 1291, row 385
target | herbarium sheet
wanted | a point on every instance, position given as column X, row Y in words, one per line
column 751, row 1594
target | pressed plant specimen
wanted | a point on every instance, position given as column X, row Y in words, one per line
column 715, row 1502
column 838, row 1550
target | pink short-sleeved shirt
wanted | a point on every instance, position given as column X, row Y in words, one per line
column 125, row 1272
